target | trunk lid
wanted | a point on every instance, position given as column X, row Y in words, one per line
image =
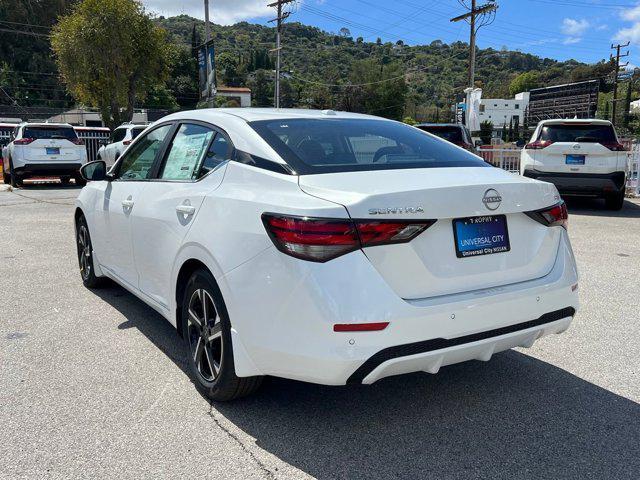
column 565, row 157
column 53, row 150
column 428, row 266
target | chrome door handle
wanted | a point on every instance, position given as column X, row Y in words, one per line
column 128, row 203
column 186, row 209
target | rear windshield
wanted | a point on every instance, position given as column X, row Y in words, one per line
column 451, row 134
column 136, row 131
column 37, row 133
column 578, row 133
column 312, row 146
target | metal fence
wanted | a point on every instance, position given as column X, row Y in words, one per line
column 93, row 137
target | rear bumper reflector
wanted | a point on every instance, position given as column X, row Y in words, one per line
column 360, row 327
column 439, row 343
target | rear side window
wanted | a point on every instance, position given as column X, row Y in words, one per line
column 451, row 134
column 185, row 154
column 119, row 134
column 578, row 133
column 136, row 131
column 312, row 146
column 61, row 133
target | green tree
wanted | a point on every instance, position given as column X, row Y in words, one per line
column 111, row 55
column 409, row 121
column 486, row 130
column 228, row 66
column 524, row 82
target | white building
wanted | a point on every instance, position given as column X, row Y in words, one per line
column 88, row 118
column 501, row 111
column 241, row 95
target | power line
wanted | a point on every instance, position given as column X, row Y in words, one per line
column 615, row 77
column 477, row 17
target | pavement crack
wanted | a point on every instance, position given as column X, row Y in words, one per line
column 261, row 465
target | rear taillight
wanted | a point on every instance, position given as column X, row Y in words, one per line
column 23, row 141
column 538, row 145
column 322, row 239
column 77, row 141
column 555, row 216
column 615, row 146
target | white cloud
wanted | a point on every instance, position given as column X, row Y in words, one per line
column 224, row 12
column 631, row 14
column 571, row 40
column 573, row 27
column 631, row 34
column 600, row 28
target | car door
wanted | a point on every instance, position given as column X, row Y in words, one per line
column 192, row 166
column 120, row 198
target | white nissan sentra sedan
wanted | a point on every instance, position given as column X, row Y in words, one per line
column 323, row 246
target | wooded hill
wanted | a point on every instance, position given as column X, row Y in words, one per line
column 322, row 69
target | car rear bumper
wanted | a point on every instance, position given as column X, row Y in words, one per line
column 286, row 329
column 47, row 169
column 584, row 184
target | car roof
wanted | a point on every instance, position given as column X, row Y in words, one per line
column 440, row 125
column 256, row 114
column 563, row 121
column 45, row 124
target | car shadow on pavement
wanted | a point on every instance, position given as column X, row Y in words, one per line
column 149, row 322
column 513, row 417
column 595, row 207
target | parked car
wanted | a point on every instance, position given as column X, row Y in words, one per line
column 580, row 157
column 43, row 150
column 327, row 247
column 120, row 139
column 452, row 132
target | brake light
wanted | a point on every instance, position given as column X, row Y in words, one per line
column 615, row 146
column 554, row 216
column 23, row 141
column 78, row 141
column 322, row 239
column 538, row 145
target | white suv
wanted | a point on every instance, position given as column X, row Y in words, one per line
column 580, row 157
column 43, row 150
column 120, row 139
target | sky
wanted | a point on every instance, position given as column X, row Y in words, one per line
column 561, row 29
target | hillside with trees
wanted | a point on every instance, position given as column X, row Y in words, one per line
column 320, row 69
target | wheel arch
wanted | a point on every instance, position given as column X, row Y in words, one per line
column 185, row 272
column 244, row 365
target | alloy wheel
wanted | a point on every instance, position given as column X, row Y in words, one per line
column 204, row 329
column 84, row 251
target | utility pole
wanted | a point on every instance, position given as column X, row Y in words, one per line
column 476, row 17
column 279, row 19
column 615, row 77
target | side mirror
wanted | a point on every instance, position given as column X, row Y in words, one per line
column 94, row 171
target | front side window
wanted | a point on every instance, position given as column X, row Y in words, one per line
column 337, row 145
column 186, row 152
column 138, row 160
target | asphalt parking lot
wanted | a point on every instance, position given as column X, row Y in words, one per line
column 93, row 383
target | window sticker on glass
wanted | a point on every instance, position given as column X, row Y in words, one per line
column 187, row 149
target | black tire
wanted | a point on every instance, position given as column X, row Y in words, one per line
column 614, row 201
column 85, row 255
column 65, row 180
column 81, row 182
column 13, row 178
column 209, row 349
